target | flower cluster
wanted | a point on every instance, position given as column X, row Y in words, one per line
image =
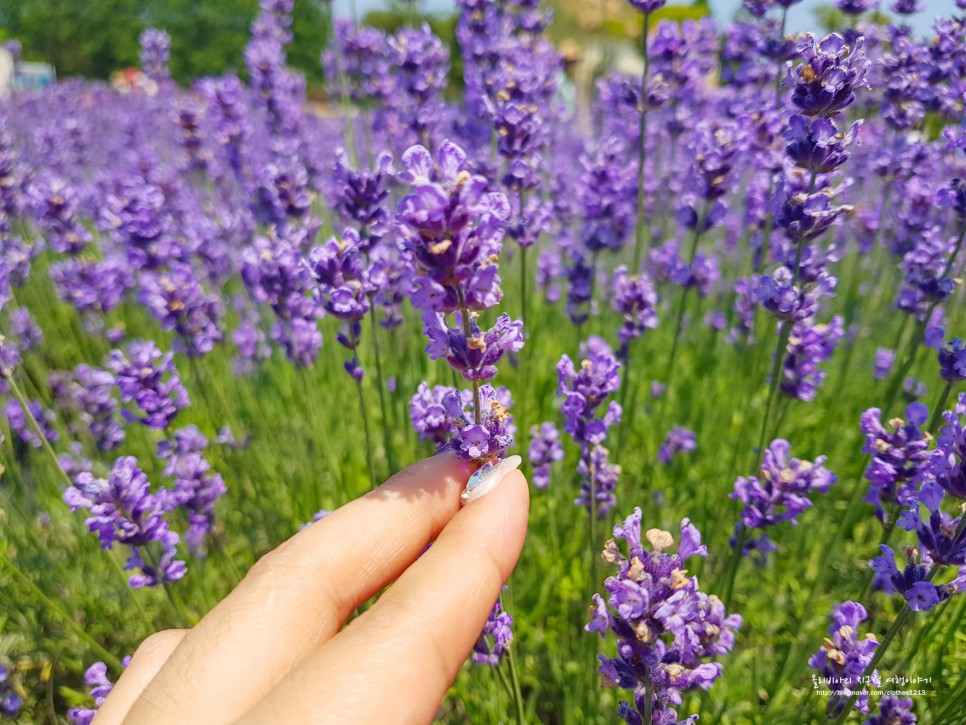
column 96, row 678
column 123, row 510
column 635, row 299
column 844, row 657
column 678, row 440
column 545, row 449
column 148, row 378
column 495, row 639
column 899, row 455
column 809, row 345
column 665, row 626
column 780, row 493
column 584, row 390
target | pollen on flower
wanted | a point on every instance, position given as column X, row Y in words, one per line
column 659, row 539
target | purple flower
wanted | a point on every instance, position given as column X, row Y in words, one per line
column 855, row 7
column 787, row 301
column 55, row 206
column 899, row 455
column 825, row 84
column 10, row 701
column 474, row 356
column 545, row 449
column 452, row 229
column 939, row 534
column 884, row 360
column 489, row 438
column 635, row 299
column 816, row 144
column 597, row 475
column 92, row 286
column 148, row 378
column 24, row 429
column 844, row 657
column 805, row 216
column 89, row 396
column 905, row 7
column 665, row 626
column 913, row 582
column 893, row 710
column 341, row 271
column 647, row 6
column 782, row 491
column 584, row 390
column 361, row 198
column 96, row 678
column 123, row 510
column 178, row 301
column 952, row 361
column 428, row 415
column 947, row 463
column 809, row 346
column 155, row 53
column 678, row 440
column 495, row 639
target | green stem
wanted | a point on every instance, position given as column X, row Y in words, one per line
column 465, row 314
column 514, row 680
column 365, row 425
column 642, row 150
column 938, row 410
column 381, row 385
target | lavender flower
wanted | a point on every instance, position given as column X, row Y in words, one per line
column 825, row 85
column 899, row 456
column 155, row 53
column 809, row 345
column 474, row 355
column 545, row 449
column 844, row 657
column 816, row 144
column 678, row 440
column 148, row 378
column 452, row 228
column 894, row 710
column 428, row 414
column 780, row 494
column 491, row 437
column 914, row 581
column 495, row 639
column 123, row 510
column 24, row 429
column 178, row 301
column 361, row 198
column 947, row 464
column 884, row 360
column 584, row 390
column 96, row 678
column 952, row 361
column 665, row 626
column 10, row 701
column 636, row 300
column 939, row 534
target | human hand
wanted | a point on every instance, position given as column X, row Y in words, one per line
column 272, row 650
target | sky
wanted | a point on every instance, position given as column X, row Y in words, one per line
column 800, row 17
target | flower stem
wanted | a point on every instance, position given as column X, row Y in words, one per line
column 381, row 385
column 642, row 151
column 365, row 425
column 465, row 314
column 517, row 693
column 938, row 410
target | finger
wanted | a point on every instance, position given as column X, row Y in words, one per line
column 395, row 663
column 145, row 664
column 299, row 595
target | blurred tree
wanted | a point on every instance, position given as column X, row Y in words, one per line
column 832, row 20
column 93, row 38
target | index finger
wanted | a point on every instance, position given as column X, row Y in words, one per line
column 396, row 661
column 298, row 596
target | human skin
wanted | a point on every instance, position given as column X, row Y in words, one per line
column 276, row 649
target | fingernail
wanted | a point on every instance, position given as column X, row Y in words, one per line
column 488, row 477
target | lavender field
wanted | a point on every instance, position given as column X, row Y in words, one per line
column 715, row 309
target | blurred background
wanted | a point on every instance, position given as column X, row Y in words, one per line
column 99, row 38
